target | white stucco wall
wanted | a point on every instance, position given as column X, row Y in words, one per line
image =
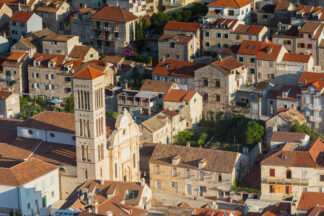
column 8, row 196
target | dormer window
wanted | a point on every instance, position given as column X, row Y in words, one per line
column 37, row 63
column 315, row 17
column 176, row 160
column 299, row 15
column 202, row 163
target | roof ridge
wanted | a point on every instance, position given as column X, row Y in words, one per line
column 122, row 13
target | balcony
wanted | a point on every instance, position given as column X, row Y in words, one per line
column 313, row 107
column 172, row 3
column 292, row 181
column 137, row 99
column 109, row 28
column 314, row 119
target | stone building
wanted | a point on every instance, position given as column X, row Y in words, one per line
column 194, row 171
column 83, row 52
column 5, row 14
column 219, row 82
column 46, row 76
column 169, row 5
column 312, row 99
column 261, row 58
column 14, row 75
column 9, row 104
column 187, row 103
column 180, row 72
column 113, row 29
column 53, row 13
column 283, row 98
column 162, row 127
column 120, row 160
column 306, row 39
column 283, row 121
column 180, row 41
column 81, row 24
column 115, row 196
column 290, row 171
column 216, row 35
column 250, row 32
column 23, row 23
column 59, row 44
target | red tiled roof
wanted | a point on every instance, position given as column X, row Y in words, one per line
column 249, row 29
column 25, row 172
column 228, row 64
column 4, row 95
column 214, row 212
column 178, row 95
column 88, row 73
column 312, row 78
column 310, row 199
column 182, row 26
column 262, row 50
column 292, row 94
column 45, row 58
column 294, row 57
column 177, row 68
column 114, row 13
column 229, row 3
column 21, row 16
column 15, row 55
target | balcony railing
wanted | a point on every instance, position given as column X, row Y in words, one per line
column 293, row 181
column 314, row 119
column 313, row 107
column 136, row 103
column 173, row 3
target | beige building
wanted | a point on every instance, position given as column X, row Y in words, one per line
column 171, row 5
column 120, row 160
column 261, row 58
column 112, row 198
column 312, row 99
column 46, row 76
column 187, row 103
column 14, row 75
column 216, row 35
column 53, row 13
column 288, row 172
column 5, row 14
column 59, row 44
column 9, row 104
column 180, row 72
column 113, row 29
column 86, row 53
column 162, row 127
column 219, row 82
column 193, row 171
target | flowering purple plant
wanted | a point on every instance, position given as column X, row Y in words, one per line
column 129, row 51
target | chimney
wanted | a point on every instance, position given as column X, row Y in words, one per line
column 188, row 144
column 109, row 213
column 102, row 182
column 95, row 208
column 163, row 59
column 142, row 182
column 220, row 58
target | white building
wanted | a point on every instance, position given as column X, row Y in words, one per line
column 29, row 186
column 23, row 23
column 229, row 9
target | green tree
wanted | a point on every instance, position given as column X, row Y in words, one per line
column 177, row 16
column 183, row 136
column 112, row 114
column 202, row 139
column 139, row 33
column 146, row 22
column 69, row 104
column 303, row 128
column 253, row 132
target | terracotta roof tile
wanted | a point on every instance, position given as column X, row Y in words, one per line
column 178, row 95
column 249, row 29
column 114, row 13
column 88, row 73
column 113, row 59
column 230, row 3
column 290, row 137
column 21, row 16
column 5, row 94
column 177, row 68
column 282, row 6
column 221, row 161
column 294, row 57
column 25, row 172
column 157, row 86
column 309, row 27
column 312, row 79
column 79, row 51
column 215, row 212
column 228, row 64
column 178, row 38
column 223, row 23
column 316, row 211
column 262, row 50
column 15, row 55
column 45, row 58
column 293, row 91
column 310, row 199
column 57, row 37
column 182, row 26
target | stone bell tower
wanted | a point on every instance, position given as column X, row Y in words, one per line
column 90, row 125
